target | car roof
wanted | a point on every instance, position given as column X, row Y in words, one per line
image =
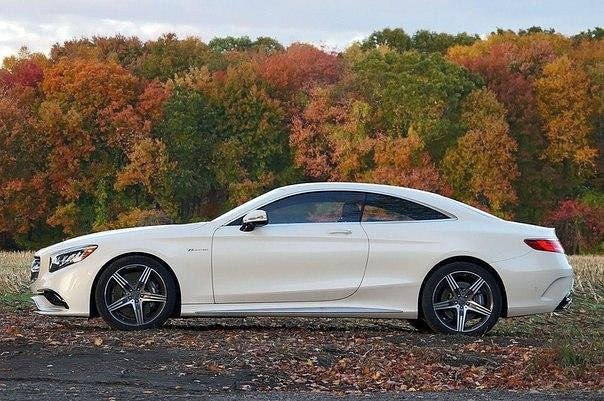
column 351, row 186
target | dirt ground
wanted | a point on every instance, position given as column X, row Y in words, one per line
column 45, row 358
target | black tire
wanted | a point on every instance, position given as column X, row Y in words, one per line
column 463, row 310
column 135, row 293
column 419, row 325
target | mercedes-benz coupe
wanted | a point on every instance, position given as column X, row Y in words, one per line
column 318, row 249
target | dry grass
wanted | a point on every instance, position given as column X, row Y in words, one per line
column 589, row 274
column 14, row 272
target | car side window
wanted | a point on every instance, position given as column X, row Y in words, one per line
column 389, row 208
column 315, row 207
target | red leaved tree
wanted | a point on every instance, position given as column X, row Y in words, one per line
column 579, row 225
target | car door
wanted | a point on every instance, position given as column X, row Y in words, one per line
column 312, row 249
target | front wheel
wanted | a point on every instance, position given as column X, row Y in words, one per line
column 461, row 298
column 135, row 293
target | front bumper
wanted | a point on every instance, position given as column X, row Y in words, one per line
column 50, row 303
column 65, row 292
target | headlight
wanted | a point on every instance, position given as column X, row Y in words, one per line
column 35, row 269
column 70, row 257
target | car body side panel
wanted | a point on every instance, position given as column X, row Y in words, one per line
column 185, row 249
column 403, row 253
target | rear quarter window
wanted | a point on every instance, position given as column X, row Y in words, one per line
column 380, row 207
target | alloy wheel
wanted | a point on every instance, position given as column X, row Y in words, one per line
column 135, row 295
column 463, row 301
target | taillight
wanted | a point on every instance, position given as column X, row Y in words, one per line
column 547, row 245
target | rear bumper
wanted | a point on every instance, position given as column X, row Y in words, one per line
column 537, row 282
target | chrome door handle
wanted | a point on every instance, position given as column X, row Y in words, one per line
column 341, row 232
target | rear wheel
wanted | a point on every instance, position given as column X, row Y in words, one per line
column 135, row 293
column 461, row 298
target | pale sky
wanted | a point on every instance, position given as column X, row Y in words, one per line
column 331, row 23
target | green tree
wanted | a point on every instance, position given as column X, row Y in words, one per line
column 267, row 45
column 168, row 56
column 433, row 42
column 396, row 39
column 256, row 153
column 413, row 90
column 387, row 120
column 263, row 44
column 230, row 44
column 595, row 34
column 191, row 131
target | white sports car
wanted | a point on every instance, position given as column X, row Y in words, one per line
column 319, row 249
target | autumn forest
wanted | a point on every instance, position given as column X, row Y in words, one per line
column 112, row 132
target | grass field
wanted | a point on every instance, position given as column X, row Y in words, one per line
column 14, row 272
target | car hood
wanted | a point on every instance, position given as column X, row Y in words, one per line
column 123, row 234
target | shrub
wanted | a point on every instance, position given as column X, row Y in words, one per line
column 578, row 225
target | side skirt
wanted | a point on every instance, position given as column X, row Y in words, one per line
column 246, row 310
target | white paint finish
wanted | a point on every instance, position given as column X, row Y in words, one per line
column 305, row 262
column 535, row 282
column 185, row 248
column 302, row 269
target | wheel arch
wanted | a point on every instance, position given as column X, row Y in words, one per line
column 93, row 309
column 468, row 259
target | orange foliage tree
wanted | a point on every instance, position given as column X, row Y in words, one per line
column 481, row 167
column 566, row 109
column 515, row 66
column 300, row 66
column 24, row 193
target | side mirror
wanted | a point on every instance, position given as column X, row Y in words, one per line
column 253, row 219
